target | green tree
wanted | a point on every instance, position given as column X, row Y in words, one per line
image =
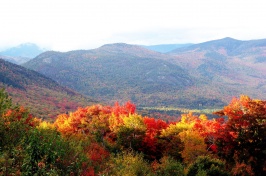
column 5, row 102
column 168, row 167
column 46, row 152
column 206, row 166
column 15, row 124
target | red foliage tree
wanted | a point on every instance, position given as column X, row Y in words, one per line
column 150, row 145
column 245, row 133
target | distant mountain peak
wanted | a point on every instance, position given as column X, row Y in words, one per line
column 22, row 53
column 224, row 41
column 119, row 46
column 131, row 49
column 228, row 38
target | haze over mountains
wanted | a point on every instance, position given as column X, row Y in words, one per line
column 21, row 53
column 164, row 48
column 207, row 74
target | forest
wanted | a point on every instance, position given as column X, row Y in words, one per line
column 117, row 141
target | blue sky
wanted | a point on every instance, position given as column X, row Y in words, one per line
column 85, row 24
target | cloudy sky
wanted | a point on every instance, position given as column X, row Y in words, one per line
column 85, row 24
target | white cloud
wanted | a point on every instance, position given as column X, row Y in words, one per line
column 66, row 25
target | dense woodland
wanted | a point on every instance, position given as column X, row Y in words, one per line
column 116, row 140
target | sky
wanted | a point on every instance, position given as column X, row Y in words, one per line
column 64, row 25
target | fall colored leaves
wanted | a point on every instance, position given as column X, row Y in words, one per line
column 106, row 140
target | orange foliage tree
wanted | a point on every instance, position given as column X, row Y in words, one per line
column 94, row 126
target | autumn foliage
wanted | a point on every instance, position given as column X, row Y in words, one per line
column 116, row 140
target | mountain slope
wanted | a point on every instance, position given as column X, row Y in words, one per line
column 236, row 66
column 116, row 72
column 227, row 52
column 43, row 96
column 227, row 43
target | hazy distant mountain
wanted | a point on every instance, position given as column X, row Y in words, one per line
column 42, row 95
column 164, row 48
column 21, row 53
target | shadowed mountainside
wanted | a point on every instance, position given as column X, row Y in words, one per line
column 42, row 95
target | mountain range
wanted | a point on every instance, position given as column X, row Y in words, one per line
column 42, row 95
column 21, row 53
column 207, row 74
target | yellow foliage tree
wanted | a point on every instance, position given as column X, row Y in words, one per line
column 194, row 145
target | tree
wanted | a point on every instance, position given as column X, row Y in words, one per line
column 167, row 166
column 15, row 125
column 128, row 164
column 131, row 134
column 194, row 146
column 5, row 102
column 204, row 165
column 150, row 145
column 246, row 133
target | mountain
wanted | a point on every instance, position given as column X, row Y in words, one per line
column 164, row 48
column 233, row 65
column 42, row 95
column 201, row 75
column 116, row 72
column 239, row 56
column 21, row 53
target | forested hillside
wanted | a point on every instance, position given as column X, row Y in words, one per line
column 237, row 66
column 42, row 95
column 117, row 72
